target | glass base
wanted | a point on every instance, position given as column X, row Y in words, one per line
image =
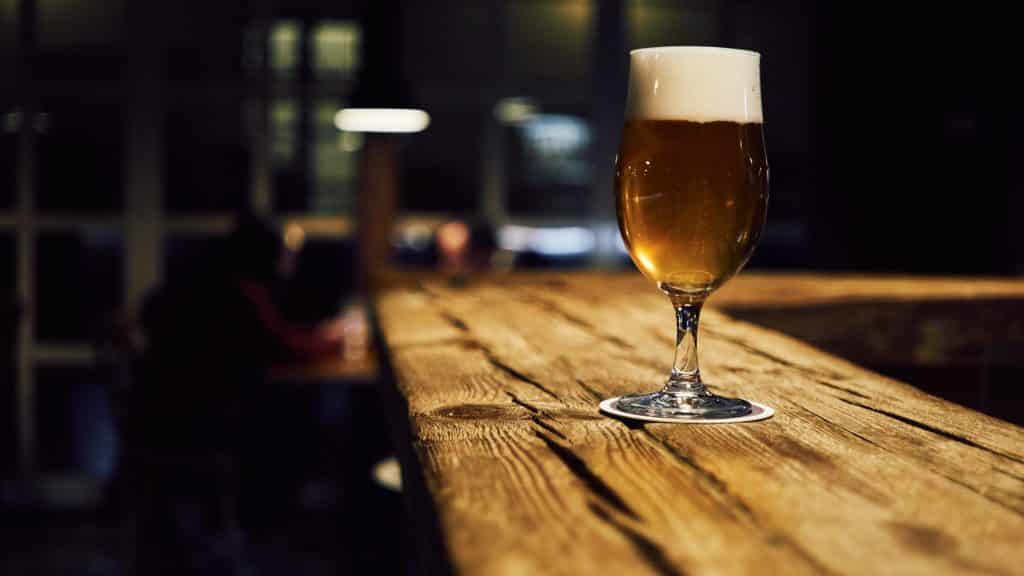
column 705, row 406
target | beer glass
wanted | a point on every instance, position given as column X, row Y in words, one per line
column 691, row 186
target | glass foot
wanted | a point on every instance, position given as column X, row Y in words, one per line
column 704, row 406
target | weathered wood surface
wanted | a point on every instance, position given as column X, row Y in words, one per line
column 856, row 473
column 803, row 289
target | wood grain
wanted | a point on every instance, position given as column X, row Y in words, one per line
column 855, row 474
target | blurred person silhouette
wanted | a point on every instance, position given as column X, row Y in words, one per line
column 212, row 461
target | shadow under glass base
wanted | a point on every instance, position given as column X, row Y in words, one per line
column 702, row 406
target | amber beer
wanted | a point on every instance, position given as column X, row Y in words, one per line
column 691, row 199
column 691, row 176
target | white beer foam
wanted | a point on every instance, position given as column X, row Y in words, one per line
column 695, row 83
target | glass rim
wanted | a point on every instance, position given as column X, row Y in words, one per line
column 696, row 49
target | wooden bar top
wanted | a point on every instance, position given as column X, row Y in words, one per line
column 499, row 379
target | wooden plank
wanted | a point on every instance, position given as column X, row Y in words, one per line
column 856, row 473
column 789, row 290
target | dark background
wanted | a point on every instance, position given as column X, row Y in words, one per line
column 130, row 132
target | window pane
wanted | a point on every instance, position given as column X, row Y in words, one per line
column 74, row 419
column 79, row 151
column 289, row 180
column 334, row 164
column 326, row 182
column 79, row 287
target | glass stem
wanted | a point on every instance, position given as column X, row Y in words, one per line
column 685, row 377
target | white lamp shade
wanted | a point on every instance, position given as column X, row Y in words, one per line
column 387, row 120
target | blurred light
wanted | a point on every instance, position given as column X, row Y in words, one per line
column 350, row 141
column 609, row 240
column 452, row 237
column 284, row 47
column 564, row 241
column 557, row 133
column 392, row 120
column 12, row 121
column 514, row 110
column 294, row 236
column 415, row 236
column 356, row 329
column 335, row 48
column 388, row 474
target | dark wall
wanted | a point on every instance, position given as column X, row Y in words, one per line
column 918, row 132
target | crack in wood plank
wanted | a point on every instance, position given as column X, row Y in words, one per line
column 970, row 488
column 458, row 324
column 838, row 426
column 929, row 428
column 746, row 513
column 1010, row 474
column 936, row 472
column 586, row 325
column 527, row 405
column 769, row 356
column 709, row 477
column 649, row 549
column 537, row 415
column 517, row 374
column 537, row 419
column 841, row 388
column 592, row 481
column 594, row 393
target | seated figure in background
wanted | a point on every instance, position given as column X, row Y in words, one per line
column 203, row 400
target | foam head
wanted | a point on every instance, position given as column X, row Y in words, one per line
column 695, row 83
